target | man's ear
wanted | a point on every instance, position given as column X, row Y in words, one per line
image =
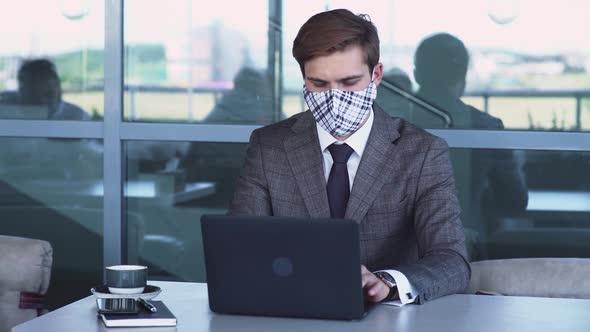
column 378, row 73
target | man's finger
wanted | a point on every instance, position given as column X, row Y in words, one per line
column 369, row 282
column 377, row 288
column 366, row 277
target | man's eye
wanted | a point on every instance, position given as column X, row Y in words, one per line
column 319, row 85
column 350, row 83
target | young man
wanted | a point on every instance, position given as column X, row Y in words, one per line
column 345, row 158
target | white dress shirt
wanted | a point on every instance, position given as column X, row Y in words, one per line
column 358, row 141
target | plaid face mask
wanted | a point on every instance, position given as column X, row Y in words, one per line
column 340, row 112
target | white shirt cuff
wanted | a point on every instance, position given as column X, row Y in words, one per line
column 407, row 292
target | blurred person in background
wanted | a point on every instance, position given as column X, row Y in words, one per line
column 39, row 85
column 494, row 178
column 393, row 102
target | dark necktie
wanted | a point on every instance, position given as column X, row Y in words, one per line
column 338, row 184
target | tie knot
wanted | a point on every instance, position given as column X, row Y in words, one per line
column 340, row 152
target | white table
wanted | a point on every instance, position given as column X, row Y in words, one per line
column 559, row 201
column 133, row 189
column 188, row 301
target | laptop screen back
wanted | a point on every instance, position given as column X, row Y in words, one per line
column 282, row 266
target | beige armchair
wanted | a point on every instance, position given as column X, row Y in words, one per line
column 539, row 277
column 25, row 270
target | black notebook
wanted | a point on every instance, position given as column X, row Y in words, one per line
column 144, row 318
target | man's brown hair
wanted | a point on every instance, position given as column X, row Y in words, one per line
column 332, row 31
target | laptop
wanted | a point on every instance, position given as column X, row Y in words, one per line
column 283, row 266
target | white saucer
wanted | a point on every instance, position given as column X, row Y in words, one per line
column 149, row 293
column 115, row 290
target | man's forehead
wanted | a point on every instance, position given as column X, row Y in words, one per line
column 336, row 74
column 337, row 66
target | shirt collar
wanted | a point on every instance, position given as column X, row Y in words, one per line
column 357, row 141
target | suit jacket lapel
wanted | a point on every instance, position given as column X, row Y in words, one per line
column 379, row 159
column 305, row 158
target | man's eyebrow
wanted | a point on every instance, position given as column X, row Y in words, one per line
column 347, row 78
column 350, row 78
column 316, row 79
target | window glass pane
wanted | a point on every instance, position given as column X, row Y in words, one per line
column 52, row 61
column 197, row 65
column 515, row 203
column 524, row 203
column 52, row 189
column 169, row 186
column 489, row 59
column 214, row 66
column 478, row 66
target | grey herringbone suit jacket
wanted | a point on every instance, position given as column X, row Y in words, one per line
column 403, row 196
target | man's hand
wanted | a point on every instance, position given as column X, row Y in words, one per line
column 375, row 289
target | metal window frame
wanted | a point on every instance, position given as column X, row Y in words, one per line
column 114, row 132
column 114, row 241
